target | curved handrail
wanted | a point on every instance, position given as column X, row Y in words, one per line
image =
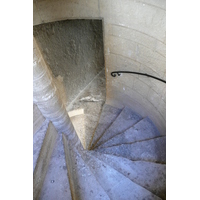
column 113, row 74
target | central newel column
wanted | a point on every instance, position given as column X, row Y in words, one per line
column 47, row 97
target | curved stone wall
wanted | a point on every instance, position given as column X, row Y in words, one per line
column 134, row 40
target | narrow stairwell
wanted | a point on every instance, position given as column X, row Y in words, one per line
column 125, row 160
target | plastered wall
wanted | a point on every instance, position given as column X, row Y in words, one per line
column 134, row 40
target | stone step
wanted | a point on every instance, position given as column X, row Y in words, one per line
column 116, row 185
column 143, row 130
column 84, row 125
column 83, row 183
column 38, row 139
column 56, row 183
column 43, row 160
column 108, row 115
column 152, row 150
column 151, row 176
column 38, row 119
column 126, row 119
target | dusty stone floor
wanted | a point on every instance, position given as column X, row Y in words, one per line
column 91, row 100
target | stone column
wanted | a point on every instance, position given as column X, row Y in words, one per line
column 47, row 97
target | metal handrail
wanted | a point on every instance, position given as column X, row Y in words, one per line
column 143, row 74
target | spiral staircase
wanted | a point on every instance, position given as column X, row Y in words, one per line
column 126, row 160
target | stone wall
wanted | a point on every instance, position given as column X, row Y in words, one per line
column 134, row 40
column 73, row 49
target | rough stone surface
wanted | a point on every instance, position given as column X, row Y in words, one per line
column 83, row 182
column 38, row 119
column 43, row 160
column 56, row 183
column 153, row 150
column 73, row 49
column 91, row 100
column 143, row 130
column 116, row 185
column 51, row 10
column 108, row 115
column 151, row 176
column 38, row 139
column 125, row 171
column 84, row 126
column 125, row 120
column 134, row 31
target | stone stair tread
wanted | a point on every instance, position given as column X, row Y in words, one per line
column 38, row 119
column 151, row 176
column 85, row 185
column 84, row 125
column 108, row 115
column 116, row 185
column 153, row 150
column 126, row 119
column 143, row 130
column 56, row 183
column 44, row 158
column 38, row 139
column 128, row 163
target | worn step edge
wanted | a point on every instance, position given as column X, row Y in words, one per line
column 56, row 182
column 92, row 146
column 140, row 131
column 69, row 167
column 162, row 160
column 100, row 161
column 100, row 155
column 38, row 139
column 129, row 158
column 103, row 141
column 92, row 143
column 43, row 160
column 75, row 142
column 78, row 150
column 142, row 140
column 99, row 145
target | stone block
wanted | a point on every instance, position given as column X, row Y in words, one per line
column 136, row 53
column 120, row 63
column 123, row 47
column 125, row 63
column 36, row 16
column 141, row 87
column 151, row 59
column 161, row 48
column 163, row 94
column 59, row 10
column 147, row 19
column 147, row 70
column 135, row 36
column 154, row 98
column 76, row 112
column 155, row 85
column 162, row 109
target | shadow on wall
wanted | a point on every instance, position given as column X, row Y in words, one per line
column 73, row 49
